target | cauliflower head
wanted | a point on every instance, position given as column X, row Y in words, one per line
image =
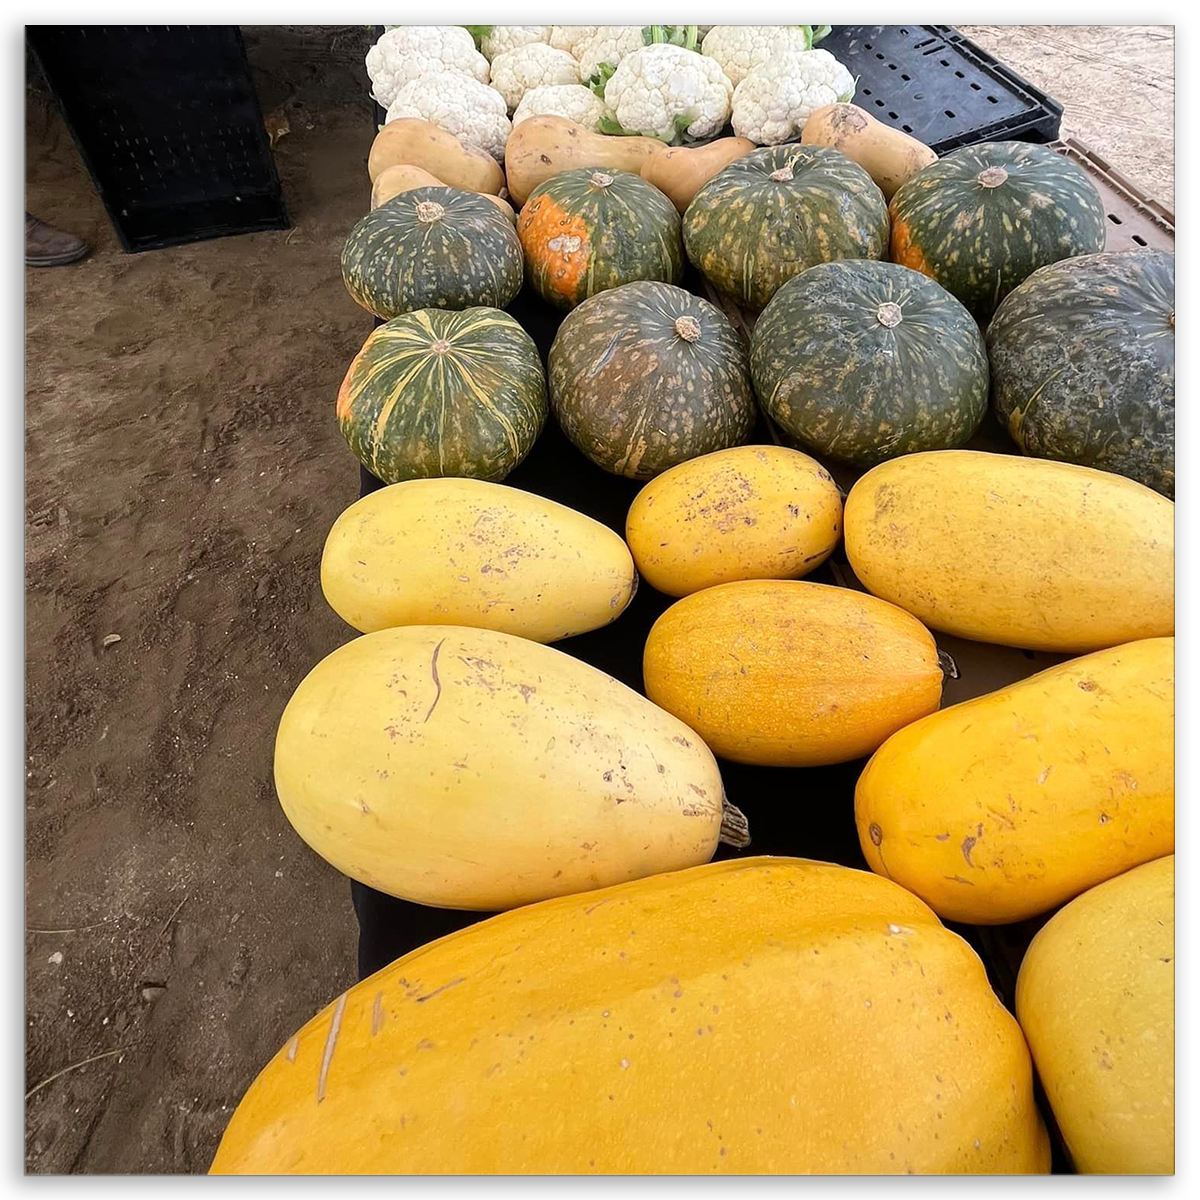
column 536, row 65
column 500, row 38
column 567, row 37
column 741, row 48
column 606, row 44
column 406, row 52
column 664, row 91
column 472, row 111
column 773, row 102
column 571, row 100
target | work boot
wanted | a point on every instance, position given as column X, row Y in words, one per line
column 46, row 246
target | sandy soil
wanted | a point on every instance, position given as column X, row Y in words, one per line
column 183, row 470
column 1116, row 84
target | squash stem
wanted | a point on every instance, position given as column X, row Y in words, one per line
column 735, row 829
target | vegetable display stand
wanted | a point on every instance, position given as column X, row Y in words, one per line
column 167, row 122
column 1135, row 221
column 940, row 87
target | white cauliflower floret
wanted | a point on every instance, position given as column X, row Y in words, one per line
column 537, row 65
column 606, row 44
column 663, row 90
column 472, row 111
column 741, row 48
column 406, row 52
column 567, row 37
column 773, row 102
column 571, row 100
column 500, row 38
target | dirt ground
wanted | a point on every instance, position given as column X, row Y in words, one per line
column 183, row 469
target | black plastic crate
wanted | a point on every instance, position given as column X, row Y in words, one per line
column 167, row 121
column 939, row 86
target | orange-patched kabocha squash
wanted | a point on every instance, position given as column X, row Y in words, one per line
column 785, row 673
column 1002, row 807
column 590, row 229
column 983, row 218
column 765, row 1016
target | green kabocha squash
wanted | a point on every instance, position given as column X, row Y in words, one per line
column 436, row 393
column 1083, row 364
column 646, row 376
column 769, row 215
column 864, row 361
column 590, row 229
column 432, row 247
column 984, row 218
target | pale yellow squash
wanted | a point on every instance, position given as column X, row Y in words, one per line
column 469, row 552
column 423, row 144
column 470, row 769
column 751, row 512
column 1005, row 806
column 762, row 1016
column 542, row 147
column 889, row 155
column 681, row 171
column 1017, row 551
column 404, row 177
column 791, row 674
column 1096, row 999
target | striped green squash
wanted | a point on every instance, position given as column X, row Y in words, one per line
column 984, row 218
column 436, row 393
column 646, row 376
column 587, row 230
column 1083, row 364
column 864, row 361
column 777, row 211
column 432, row 247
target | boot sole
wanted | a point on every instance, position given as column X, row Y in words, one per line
column 56, row 260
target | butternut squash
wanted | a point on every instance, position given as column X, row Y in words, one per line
column 403, row 177
column 1096, row 999
column 542, row 147
column 791, row 674
column 1016, row 551
column 890, row 156
column 1007, row 805
column 762, row 1016
column 468, row 552
column 751, row 512
column 424, row 144
column 681, row 171
column 469, row 769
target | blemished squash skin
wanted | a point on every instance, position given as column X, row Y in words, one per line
column 890, row 156
column 679, row 172
column 1002, row 807
column 543, row 147
column 1015, row 551
column 760, row 1016
column 784, row 673
column 424, row 144
column 467, row 552
column 750, row 512
column 404, row 177
column 469, row 769
column 1096, row 1000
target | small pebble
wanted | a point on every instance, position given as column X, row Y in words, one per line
column 55, row 958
